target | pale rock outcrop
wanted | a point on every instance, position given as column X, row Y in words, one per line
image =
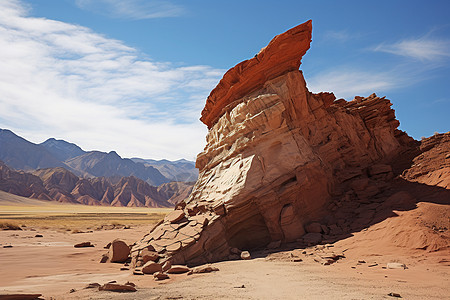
column 276, row 154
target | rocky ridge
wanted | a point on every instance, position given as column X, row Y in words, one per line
column 284, row 165
column 20, row 154
column 58, row 184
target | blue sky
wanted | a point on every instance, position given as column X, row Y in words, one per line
column 132, row 76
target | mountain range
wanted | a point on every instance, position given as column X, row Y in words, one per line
column 57, row 170
column 59, row 184
column 20, row 154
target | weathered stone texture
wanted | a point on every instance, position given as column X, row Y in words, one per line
column 275, row 156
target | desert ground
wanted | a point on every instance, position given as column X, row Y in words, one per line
column 42, row 260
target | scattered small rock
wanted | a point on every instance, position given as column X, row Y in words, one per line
column 138, row 272
column 148, row 255
column 124, row 269
column 327, row 261
column 151, row 267
column 107, row 246
column 160, row 276
column 178, row 269
column 72, row 291
column 240, row 287
column 361, row 261
column 21, row 296
column 397, row 295
column 166, row 266
column 114, row 287
column 130, row 284
column 84, row 245
column 38, row 235
column 93, row 285
column 372, row 265
column 203, row 269
column 394, row 265
column 7, row 246
column 104, row 258
column 245, row 255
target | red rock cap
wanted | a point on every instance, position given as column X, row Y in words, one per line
column 283, row 54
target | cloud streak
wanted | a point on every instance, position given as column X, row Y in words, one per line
column 340, row 36
column 66, row 81
column 132, row 9
column 347, row 82
column 424, row 49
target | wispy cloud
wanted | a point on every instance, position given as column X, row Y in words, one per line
column 424, row 49
column 338, row 36
column 132, row 9
column 347, row 82
column 66, row 81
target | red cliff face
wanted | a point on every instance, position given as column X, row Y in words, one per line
column 283, row 54
column 278, row 158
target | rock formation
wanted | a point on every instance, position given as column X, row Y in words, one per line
column 277, row 157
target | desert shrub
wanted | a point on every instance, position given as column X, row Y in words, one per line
column 9, row 226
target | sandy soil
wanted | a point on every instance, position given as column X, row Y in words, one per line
column 52, row 266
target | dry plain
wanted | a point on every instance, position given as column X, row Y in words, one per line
column 51, row 266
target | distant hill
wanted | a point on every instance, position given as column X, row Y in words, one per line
column 21, row 183
column 11, row 199
column 61, row 149
column 97, row 164
column 59, row 184
column 20, row 154
column 179, row 170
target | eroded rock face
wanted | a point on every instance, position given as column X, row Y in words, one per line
column 275, row 156
column 283, row 54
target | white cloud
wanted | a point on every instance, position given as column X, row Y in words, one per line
column 425, row 49
column 132, row 9
column 65, row 81
column 347, row 82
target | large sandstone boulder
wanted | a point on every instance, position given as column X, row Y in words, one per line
column 118, row 251
column 276, row 155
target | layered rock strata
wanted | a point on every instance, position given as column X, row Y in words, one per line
column 276, row 155
column 59, row 184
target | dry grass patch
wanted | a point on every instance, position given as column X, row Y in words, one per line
column 9, row 226
column 79, row 218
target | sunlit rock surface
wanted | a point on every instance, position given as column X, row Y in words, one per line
column 276, row 155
